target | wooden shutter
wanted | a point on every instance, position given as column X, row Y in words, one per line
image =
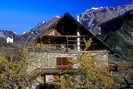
column 63, row 62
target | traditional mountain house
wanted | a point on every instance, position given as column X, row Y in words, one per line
column 61, row 40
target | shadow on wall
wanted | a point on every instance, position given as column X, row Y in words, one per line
column 46, row 86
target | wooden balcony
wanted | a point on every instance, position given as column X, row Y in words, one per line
column 67, row 42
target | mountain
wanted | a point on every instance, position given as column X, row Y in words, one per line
column 7, row 33
column 26, row 38
column 114, row 26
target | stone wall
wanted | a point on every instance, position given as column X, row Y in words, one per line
column 9, row 52
column 45, row 59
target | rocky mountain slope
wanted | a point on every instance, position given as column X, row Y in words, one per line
column 114, row 26
column 7, row 33
column 26, row 38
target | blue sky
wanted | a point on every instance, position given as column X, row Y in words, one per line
column 22, row 15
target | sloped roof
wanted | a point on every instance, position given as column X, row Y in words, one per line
column 55, row 21
column 37, row 31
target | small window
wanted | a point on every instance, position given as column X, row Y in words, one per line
column 63, row 62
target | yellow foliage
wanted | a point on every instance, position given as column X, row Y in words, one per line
column 56, row 78
column 92, row 75
column 87, row 42
column 95, row 77
column 99, row 77
column 9, row 68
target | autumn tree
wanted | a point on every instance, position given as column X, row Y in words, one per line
column 92, row 76
column 12, row 74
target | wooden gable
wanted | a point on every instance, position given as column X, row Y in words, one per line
column 52, row 32
column 64, row 35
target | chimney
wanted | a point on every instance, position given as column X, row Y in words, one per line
column 78, row 41
column 78, row 18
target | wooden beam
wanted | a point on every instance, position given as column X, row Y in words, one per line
column 59, row 71
column 69, row 36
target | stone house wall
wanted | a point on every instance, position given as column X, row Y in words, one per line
column 46, row 59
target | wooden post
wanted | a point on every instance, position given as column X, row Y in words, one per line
column 40, row 41
column 44, row 78
column 67, row 43
column 78, row 41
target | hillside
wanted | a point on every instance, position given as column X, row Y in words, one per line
column 114, row 26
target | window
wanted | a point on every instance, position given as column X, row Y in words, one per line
column 63, row 62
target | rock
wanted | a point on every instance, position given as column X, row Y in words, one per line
column 114, row 26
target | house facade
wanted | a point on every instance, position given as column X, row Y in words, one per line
column 63, row 40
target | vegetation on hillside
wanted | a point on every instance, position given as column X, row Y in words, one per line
column 12, row 71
